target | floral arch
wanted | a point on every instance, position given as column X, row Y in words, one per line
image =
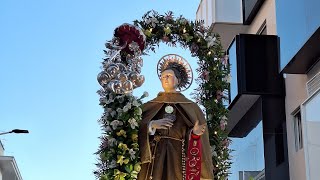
column 118, row 154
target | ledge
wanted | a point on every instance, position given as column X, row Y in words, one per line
column 306, row 57
column 9, row 168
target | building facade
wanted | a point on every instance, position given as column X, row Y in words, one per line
column 274, row 52
column 8, row 167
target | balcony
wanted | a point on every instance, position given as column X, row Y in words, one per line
column 228, row 18
column 9, row 168
column 254, row 69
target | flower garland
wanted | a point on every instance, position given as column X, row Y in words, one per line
column 119, row 149
column 213, row 74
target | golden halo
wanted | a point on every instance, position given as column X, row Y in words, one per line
column 181, row 65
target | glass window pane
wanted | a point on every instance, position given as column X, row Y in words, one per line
column 248, row 155
column 311, row 124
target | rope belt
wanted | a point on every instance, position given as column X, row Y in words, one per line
column 157, row 139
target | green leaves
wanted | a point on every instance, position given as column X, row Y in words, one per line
column 119, row 149
column 203, row 44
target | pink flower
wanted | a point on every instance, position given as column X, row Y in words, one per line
column 165, row 39
column 225, row 60
column 223, row 124
column 219, row 95
column 168, row 17
column 205, row 75
column 226, row 143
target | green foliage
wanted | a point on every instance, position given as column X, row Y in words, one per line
column 115, row 161
column 119, row 149
column 213, row 73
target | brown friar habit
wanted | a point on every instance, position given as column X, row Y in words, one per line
column 167, row 163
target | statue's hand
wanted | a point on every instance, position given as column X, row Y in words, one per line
column 164, row 123
column 198, row 129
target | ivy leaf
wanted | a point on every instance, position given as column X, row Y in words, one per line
column 187, row 37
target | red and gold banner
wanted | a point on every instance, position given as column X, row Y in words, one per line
column 193, row 163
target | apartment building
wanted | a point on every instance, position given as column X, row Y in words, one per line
column 274, row 52
column 8, row 167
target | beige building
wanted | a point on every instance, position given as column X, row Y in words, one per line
column 8, row 167
column 275, row 100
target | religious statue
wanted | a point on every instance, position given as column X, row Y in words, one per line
column 174, row 141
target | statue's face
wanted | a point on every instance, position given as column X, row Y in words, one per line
column 169, row 80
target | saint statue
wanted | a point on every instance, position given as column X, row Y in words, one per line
column 173, row 137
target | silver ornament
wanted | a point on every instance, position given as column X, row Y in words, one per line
column 140, row 62
column 140, row 81
column 122, row 77
column 117, row 87
column 110, row 86
column 122, row 67
column 133, row 77
column 127, row 86
column 103, row 78
column 113, row 70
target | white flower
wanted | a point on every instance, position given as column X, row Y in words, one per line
column 132, row 154
column 112, row 142
column 153, row 21
column 108, row 129
column 224, row 118
column 145, row 94
column 136, row 103
column 119, row 110
column 115, row 124
column 112, row 164
column 113, row 113
column 129, row 105
column 125, row 109
column 210, row 41
column 139, row 111
column 213, row 151
column 227, row 78
column 105, row 115
column 133, row 123
column 108, row 101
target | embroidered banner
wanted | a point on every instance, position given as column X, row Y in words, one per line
column 193, row 163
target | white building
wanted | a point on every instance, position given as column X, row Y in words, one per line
column 275, row 96
column 8, row 167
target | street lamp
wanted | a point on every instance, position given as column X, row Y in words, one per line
column 18, row 131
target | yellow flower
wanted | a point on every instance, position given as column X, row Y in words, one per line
column 126, row 161
column 134, row 137
column 122, row 133
column 119, row 175
column 120, row 159
column 135, row 145
column 123, row 146
column 148, row 32
column 167, row 30
column 137, row 167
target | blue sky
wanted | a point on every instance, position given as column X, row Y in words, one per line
column 50, row 54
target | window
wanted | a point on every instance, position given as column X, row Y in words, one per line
column 297, row 130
